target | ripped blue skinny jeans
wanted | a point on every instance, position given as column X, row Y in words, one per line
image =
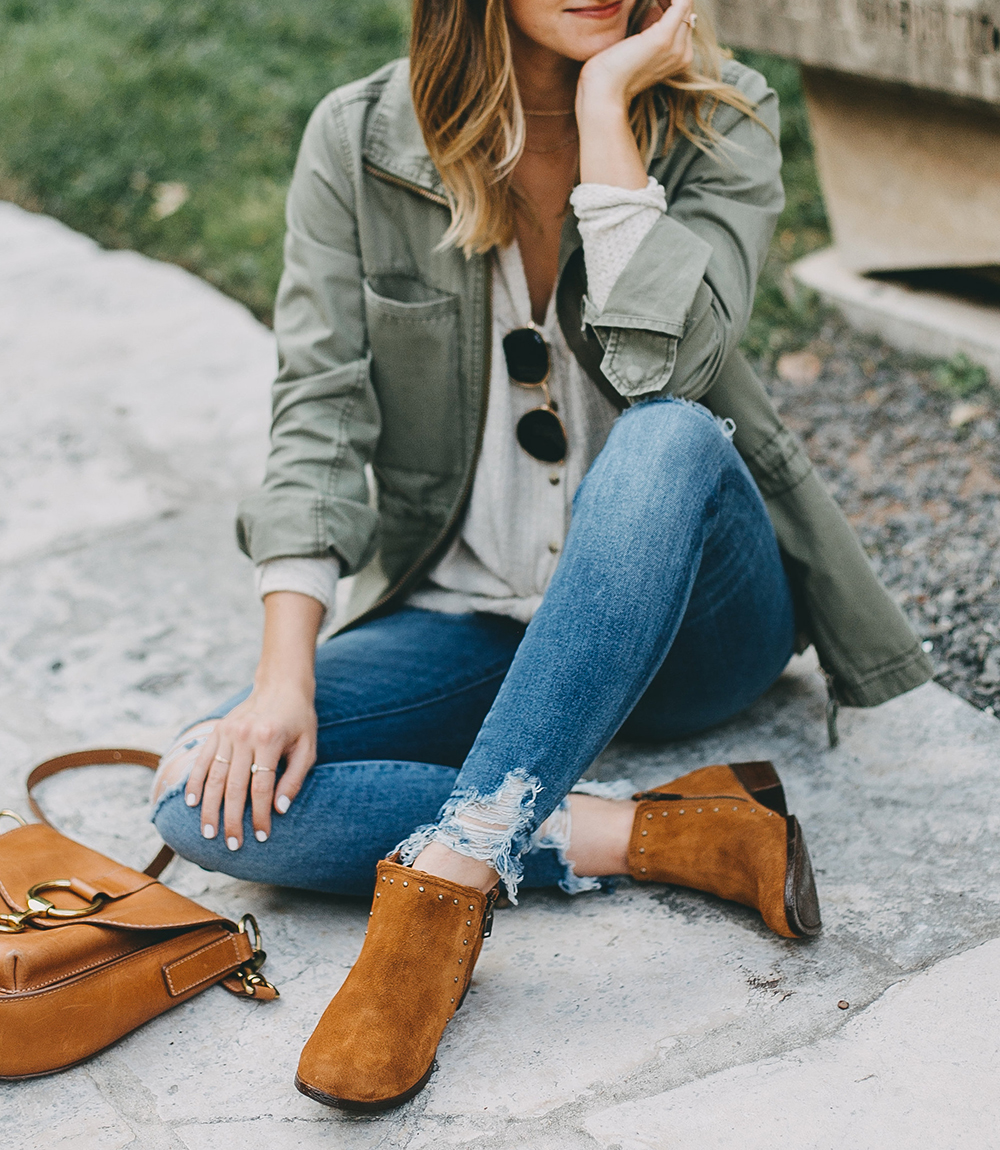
column 668, row 613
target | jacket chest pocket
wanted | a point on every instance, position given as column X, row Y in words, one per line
column 413, row 337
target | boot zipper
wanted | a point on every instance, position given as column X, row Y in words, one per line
column 491, row 898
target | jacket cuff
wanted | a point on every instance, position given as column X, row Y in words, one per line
column 647, row 310
column 277, row 525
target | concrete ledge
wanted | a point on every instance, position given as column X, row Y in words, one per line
column 643, row 1017
column 925, row 322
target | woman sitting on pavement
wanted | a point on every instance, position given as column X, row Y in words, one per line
column 517, row 270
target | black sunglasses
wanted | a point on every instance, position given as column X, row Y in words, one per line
column 539, row 431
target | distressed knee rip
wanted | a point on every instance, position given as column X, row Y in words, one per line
column 490, row 828
column 176, row 763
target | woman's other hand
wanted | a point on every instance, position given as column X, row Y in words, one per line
column 611, row 79
column 277, row 721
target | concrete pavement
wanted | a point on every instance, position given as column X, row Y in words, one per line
column 134, row 403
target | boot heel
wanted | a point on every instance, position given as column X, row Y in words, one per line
column 801, row 900
column 761, row 780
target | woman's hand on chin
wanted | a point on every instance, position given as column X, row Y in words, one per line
column 610, row 81
column 276, row 722
column 662, row 49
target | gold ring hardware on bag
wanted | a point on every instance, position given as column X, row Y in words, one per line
column 13, row 815
column 39, row 907
column 249, row 973
column 50, row 910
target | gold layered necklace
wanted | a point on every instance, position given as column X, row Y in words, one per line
column 574, row 140
column 557, row 147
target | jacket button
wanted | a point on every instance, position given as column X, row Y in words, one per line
column 633, row 373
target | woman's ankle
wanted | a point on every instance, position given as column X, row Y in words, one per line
column 600, row 830
column 443, row 862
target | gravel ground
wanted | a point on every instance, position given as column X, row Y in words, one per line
column 916, row 469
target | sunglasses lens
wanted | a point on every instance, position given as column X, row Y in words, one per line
column 541, row 435
column 526, row 354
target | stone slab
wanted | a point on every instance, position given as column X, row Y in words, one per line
column 924, row 322
column 910, row 180
column 579, row 1007
column 949, row 46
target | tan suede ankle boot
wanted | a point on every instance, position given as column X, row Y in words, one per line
column 374, row 1046
column 726, row 830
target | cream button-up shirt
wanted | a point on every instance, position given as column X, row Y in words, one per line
column 519, row 508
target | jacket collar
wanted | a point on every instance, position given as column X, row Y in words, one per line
column 393, row 140
column 394, row 144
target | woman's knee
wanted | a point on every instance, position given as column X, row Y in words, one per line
column 670, row 426
column 662, row 439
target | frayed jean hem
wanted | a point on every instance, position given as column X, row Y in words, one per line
column 554, row 834
column 492, row 828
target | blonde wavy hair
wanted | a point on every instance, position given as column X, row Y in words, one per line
column 469, row 110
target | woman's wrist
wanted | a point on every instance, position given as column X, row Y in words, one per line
column 599, row 99
column 284, row 677
column 608, row 151
column 288, row 655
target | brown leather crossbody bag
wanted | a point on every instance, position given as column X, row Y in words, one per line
column 91, row 949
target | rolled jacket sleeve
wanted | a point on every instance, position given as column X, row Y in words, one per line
column 325, row 418
column 683, row 300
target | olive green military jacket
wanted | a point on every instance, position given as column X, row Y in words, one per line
column 384, row 356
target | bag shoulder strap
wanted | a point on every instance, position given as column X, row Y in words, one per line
column 98, row 757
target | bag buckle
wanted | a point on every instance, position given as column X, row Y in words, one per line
column 249, row 974
column 39, row 907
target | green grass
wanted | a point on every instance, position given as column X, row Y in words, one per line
column 170, row 127
column 960, row 377
column 112, row 111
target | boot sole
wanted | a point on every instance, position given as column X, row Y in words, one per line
column 357, row 1107
column 801, row 901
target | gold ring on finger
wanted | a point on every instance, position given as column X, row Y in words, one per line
column 220, row 759
column 255, row 768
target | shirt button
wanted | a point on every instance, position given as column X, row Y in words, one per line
column 554, row 548
column 633, row 373
column 554, row 478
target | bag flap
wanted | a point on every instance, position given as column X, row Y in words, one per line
column 39, row 854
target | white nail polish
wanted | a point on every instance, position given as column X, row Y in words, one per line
column 191, row 800
column 208, row 831
column 282, row 802
column 260, row 836
column 233, row 843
